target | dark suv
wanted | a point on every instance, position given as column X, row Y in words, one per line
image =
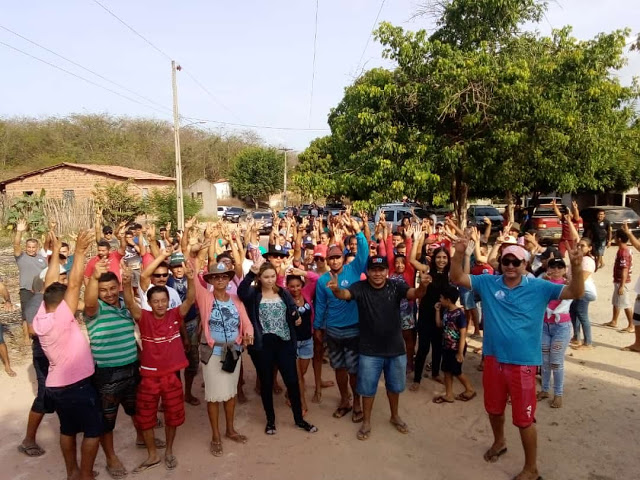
column 476, row 214
column 234, row 214
column 616, row 216
column 264, row 219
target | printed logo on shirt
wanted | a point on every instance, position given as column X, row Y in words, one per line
column 344, row 283
column 500, row 295
column 529, row 411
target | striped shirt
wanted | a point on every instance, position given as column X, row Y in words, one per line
column 111, row 335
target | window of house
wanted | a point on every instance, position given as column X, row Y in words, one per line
column 28, row 193
column 199, row 196
column 69, row 195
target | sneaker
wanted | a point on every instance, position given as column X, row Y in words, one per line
column 304, row 425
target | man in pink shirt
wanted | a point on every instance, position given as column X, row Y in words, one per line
column 68, row 382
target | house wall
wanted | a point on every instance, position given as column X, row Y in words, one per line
column 81, row 183
column 223, row 190
column 207, row 191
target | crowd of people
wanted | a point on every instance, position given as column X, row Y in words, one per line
column 160, row 306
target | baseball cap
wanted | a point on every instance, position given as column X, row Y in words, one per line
column 176, row 259
column 550, row 253
column 106, row 230
column 308, row 240
column 377, row 261
column 515, row 250
column 557, row 262
column 510, row 240
column 320, row 251
column 334, row 251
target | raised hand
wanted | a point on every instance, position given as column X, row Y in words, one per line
column 21, row 226
column 410, row 231
column 126, row 273
column 460, row 245
column 54, row 242
column 151, row 232
column 575, row 255
column 188, row 271
column 101, row 267
column 425, row 278
column 85, row 238
column 332, row 284
column 470, row 248
column 189, row 223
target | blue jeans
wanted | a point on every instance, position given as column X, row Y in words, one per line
column 370, row 368
column 579, row 311
column 555, row 340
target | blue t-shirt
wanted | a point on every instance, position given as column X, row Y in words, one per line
column 513, row 317
column 330, row 311
column 228, row 313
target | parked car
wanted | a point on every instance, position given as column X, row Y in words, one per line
column 221, row 211
column 264, row 219
column 234, row 214
column 395, row 212
column 334, row 208
column 477, row 213
column 546, row 222
column 616, row 215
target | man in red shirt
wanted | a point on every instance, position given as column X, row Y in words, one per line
column 622, row 299
column 161, row 357
column 104, row 253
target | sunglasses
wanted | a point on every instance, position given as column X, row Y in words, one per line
column 321, row 259
column 159, row 275
column 220, row 276
column 505, row 262
column 557, row 264
column 108, row 233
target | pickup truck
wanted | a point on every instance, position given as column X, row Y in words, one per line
column 546, row 222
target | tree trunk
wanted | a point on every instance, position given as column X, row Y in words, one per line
column 510, row 206
column 460, row 198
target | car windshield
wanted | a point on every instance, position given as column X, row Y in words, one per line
column 547, row 211
column 234, row 210
column 621, row 215
column 487, row 212
column 421, row 213
column 261, row 215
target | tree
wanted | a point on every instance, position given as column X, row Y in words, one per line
column 117, row 203
column 162, row 205
column 478, row 108
column 257, row 173
column 31, row 209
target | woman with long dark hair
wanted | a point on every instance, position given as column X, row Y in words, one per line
column 580, row 308
column 429, row 335
column 274, row 316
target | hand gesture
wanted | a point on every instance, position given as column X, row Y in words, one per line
column 333, row 283
column 52, row 225
column 126, row 273
column 575, row 255
column 21, row 226
column 470, row 248
column 363, row 216
column 486, row 220
column 188, row 271
column 168, row 227
column 410, row 231
column 54, row 241
column 298, row 272
column 166, row 252
column 460, row 245
column 189, row 223
column 425, row 278
column 553, row 202
column 257, row 263
column 101, row 267
column 474, row 234
column 438, row 306
column 151, row 232
column 625, row 227
column 85, row 238
column 574, row 205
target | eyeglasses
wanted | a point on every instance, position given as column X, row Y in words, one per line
column 220, row 276
column 505, row 262
column 159, row 275
column 321, row 259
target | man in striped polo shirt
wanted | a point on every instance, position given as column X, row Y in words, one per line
column 114, row 349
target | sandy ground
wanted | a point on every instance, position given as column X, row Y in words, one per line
column 593, row 437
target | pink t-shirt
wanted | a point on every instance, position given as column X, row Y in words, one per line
column 64, row 344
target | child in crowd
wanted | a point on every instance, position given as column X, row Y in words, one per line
column 622, row 300
column 451, row 319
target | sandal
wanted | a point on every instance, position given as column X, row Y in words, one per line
column 363, row 434
column 463, row 397
column 492, row 457
column 270, row 429
column 170, row 462
column 236, row 437
column 117, row 473
column 357, row 417
column 143, row 467
column 31, row 450
column 341, row 411
column 216, row 449
column 306, row 426
column 441, row 399
column 400, row 426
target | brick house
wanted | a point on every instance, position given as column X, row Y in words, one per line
column 73, row 181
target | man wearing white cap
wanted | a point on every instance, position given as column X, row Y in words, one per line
column 514, row 307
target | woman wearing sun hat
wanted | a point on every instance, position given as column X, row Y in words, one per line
column 225, row 325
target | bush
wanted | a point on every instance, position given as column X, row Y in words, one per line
column 162, row 205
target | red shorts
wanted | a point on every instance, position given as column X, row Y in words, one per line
column 150, row 390
column 501, row 380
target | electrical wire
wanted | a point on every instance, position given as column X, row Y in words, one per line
column 313, row 68
column 81, row 77
column 246, row 125
column 86, row 69
column 375, row 22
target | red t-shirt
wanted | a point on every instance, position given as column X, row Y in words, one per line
column 114, row 264
column 624, row 260
column 162, row 348
column 481, row 268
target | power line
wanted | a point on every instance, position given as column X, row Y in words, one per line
column 375, row 22
column 313, row 68
column 80, row 77
column 85, row 68
column 246, row 125
column 163, row 53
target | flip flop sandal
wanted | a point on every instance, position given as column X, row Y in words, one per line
column 170, row 462
column 31, row 450
column 363, row 435
column 159, row 444
column 357, row 417
column 117, row 473
column 143, row 467
column 237, row 438
column 216, row 449
column 492, row 457
column 440, row 399
column 465, row 398
column 341, row 412
column 401, row 427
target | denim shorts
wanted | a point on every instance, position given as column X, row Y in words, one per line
column 305, row 349
column 467, row 299
column 370, row 368
column 78, row 408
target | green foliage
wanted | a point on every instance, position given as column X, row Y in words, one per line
column 117, row 203
column 257, row 173
column 144, row 144
column 480, row 109
column 163, row 206
column 30, row 208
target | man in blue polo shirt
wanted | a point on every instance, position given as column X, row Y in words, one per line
column 340, row 320
column 514, row 307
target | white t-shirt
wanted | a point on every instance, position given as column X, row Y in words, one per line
column 174, row 299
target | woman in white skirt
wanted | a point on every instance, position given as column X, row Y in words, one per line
column 225, row 325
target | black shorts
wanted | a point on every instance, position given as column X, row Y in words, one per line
column 78, row 409
column 344, row 353
column 117, row 386
column 42, row 403
column 25, row 298
column 450, row 364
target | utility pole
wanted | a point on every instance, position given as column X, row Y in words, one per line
column 176, row 133
column 284, row 194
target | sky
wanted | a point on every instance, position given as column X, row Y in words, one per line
column 244, row 62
